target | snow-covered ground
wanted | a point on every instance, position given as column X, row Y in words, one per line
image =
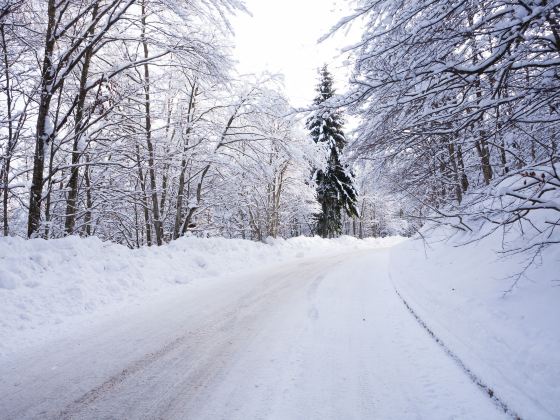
column 508, row 336
column 314, row 338
column 298, row 329
column 47, row 285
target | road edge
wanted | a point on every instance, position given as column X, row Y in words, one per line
column 488, row 391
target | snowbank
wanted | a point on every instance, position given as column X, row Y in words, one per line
column 510, row 340
column 43, row 283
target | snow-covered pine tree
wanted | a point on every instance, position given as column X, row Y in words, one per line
column 335, row 191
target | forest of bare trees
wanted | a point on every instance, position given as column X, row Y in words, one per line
column 459, row 109
column 124, row 119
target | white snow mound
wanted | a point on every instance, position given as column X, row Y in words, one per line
column 498, row 313
column 43, row 283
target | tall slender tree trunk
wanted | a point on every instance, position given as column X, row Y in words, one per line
column 43, row 133
column 461, row 163
column 484, row 153
column 89, row 200
column 71, row 208
column 481, row 143
column 455, row 169
column 5, row 170
column 4, row 179
column 181, row 186
column 148, row 127
column 144, row 198
column 49, row 194
column 179, row 203
column 193, row 209
column 169, row 135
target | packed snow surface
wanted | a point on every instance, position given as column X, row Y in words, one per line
column 314, row 338
column 47, row 283
column 298, row 329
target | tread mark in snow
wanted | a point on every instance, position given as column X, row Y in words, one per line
column 91, row 396
column 473, row 377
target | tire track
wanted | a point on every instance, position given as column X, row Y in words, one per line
column 216, row 335
column 488, row 391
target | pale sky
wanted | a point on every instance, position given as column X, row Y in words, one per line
column 281, row 37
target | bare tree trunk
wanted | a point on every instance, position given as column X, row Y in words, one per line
column 71, row 208
column 144, row 198
column 49, row 194
column 137, row 227
column 461, row 163
column 5, row 173
column 181, row 186
column 484, row 154
column 193, row 209
column 89, row 201
column 361, row 229
column 455, row 169
column 165, row 177
column 179, row 203
column 43, row 131
column 481, row 144
column 148, row 127
column 277, row 197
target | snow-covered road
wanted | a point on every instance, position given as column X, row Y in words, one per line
column 319, row 338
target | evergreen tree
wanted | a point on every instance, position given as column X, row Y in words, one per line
column 335, row 191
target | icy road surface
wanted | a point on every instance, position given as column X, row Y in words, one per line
column 321, row 338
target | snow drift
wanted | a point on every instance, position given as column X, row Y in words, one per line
column 43, row 283
column 497, row 312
